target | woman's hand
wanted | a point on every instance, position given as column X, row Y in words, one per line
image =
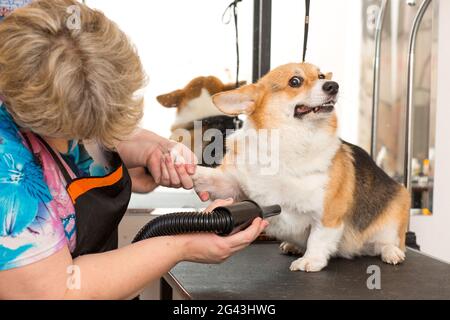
column 169, row 164
column 211, row 248
column 172, row 165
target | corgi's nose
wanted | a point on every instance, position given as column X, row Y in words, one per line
column 331, row 87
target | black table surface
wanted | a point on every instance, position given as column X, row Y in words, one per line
column 261, row 272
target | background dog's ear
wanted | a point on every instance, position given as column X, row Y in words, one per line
column 238, row 101
column 329, row 76
column 232, row 86
column 171, row 100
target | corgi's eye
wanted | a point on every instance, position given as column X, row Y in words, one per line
column 296, row 82
column 321, row 76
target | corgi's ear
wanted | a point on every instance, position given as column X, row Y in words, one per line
column 329, row 76
column 238, row 101
column 171, row 100
column 232, row 86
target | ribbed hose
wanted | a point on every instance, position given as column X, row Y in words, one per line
column 218, row 221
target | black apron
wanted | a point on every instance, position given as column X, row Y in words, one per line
column 100, row 204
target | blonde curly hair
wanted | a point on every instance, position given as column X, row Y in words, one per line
column 70, row 82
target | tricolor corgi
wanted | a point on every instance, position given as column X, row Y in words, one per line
column 335, row 200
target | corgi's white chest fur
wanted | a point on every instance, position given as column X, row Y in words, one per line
column 299, row 184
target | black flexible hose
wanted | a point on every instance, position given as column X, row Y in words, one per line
column 222, row 220
column 218, row 221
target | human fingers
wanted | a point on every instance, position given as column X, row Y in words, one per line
column 154, row 166
column 175, row 181
column 247, row 236
column 218, row 203
column 183, row 155
column 185, row 178
column 165, row 177
column 204, row 196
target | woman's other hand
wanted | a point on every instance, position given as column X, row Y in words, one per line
column 142, row 182
column 211, row 248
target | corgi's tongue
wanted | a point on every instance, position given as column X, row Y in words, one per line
column 303, row 110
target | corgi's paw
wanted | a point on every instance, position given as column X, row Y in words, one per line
column 290, row 249
column 216, row 183
column 392, row 254
column 309, row 264
column 203, row 182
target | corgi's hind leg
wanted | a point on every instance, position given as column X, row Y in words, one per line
column 392, row 254
column 391, row 249
column 387, row 244
column 389, row 241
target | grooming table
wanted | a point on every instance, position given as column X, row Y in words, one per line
column 261, row 272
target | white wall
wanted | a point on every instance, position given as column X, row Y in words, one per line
column 334, row 45
column 433, row 232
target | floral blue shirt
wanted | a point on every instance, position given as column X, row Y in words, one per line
column 7, row 6
column 37, row 217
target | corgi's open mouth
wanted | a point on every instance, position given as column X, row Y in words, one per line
column 302, row 110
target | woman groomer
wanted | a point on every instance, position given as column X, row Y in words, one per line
column 68, row 98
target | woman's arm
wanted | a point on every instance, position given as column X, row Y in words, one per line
column 122, row 273
column 116, row 274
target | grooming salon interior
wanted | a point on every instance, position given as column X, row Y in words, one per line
column 315, row 133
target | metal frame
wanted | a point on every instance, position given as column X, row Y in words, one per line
column 376, row 78
column 410, row 92
column 262, row 25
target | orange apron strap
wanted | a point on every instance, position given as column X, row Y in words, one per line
column 79, row 187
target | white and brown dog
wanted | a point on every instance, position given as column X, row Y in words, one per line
column 194, row 104
column 335, row 200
